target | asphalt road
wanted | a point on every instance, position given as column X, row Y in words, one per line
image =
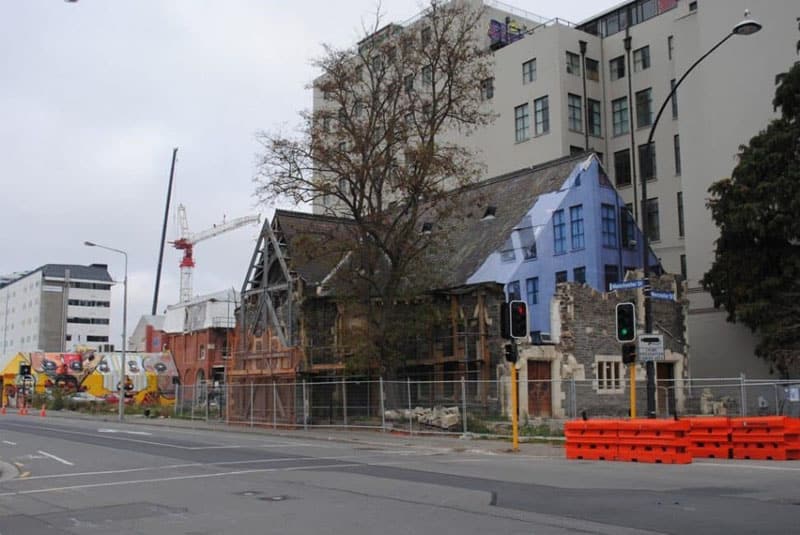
column 62, row 476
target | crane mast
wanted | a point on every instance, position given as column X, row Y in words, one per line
column 188, row 240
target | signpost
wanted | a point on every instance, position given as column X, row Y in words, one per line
column 664, row 296
column 651, row 347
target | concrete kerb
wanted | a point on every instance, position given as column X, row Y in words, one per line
column 447, row 443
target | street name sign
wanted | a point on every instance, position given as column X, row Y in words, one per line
column 627, row 285
column 664, row 296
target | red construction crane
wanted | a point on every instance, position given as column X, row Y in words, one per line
column 187, row 241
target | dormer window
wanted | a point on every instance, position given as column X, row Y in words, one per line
column 490, row 212
column 427, row 227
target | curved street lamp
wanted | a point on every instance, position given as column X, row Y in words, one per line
column 746, row 27
column 121, row 393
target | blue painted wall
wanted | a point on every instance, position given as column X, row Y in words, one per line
column 586, row 187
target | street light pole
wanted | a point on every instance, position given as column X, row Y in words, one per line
column 121, row 393
column 746, row 27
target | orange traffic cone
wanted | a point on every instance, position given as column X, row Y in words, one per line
column 43, row 413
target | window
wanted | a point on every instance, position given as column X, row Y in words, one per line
column 522, row 123
column 622, row 167
column 425, row 35
column 644, row 108
column 609, row 225
column 487, row 89
column 408, row 83
column 528, row 239
column 680, row 214
column 532, row 288
column 674, row 100
column 619, row 112
column 683, row 266
column 609, row 375
column 573, row 64
column 628, row 226
column 427, row 75
column 653, row 230
column 559, row 232
column 579, row 274
column 91, row 338
column 542, row 111
column 561, row 276
column 595, row 125
column 592, row 69
column 693, row 6
column 575, row 112
column 647, row 161
column 529, row 71
column 676, row 146
column 507, row 251
column 611, row 273
column 617, row 68
column 513, row 291
column 641, row 59
column 670, row 46
column 576, row 226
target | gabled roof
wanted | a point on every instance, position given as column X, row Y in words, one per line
column 314, row 242
column 472, row 224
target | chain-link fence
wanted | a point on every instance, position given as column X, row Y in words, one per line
column 473, row 406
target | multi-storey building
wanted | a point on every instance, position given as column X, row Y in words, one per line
column 56, row 307
column 559, row 87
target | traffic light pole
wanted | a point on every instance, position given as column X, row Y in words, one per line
column 632, row 373
column 514, row 405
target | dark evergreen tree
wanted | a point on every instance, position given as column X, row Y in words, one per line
column 756, row 271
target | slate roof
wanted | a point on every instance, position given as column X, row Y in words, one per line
column 462, row 237
column 94, row 272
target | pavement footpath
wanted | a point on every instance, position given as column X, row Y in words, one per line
column 453, row 443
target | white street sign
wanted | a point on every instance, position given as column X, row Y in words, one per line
column 650, row 347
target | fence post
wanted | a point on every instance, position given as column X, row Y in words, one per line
column 777, row 410
column 205, row 396
column 274, row 405
column 383, row 412
column 305, row 406
column 177, row 399
column 344, row 401
column 743, row 387
column 252, row 400
column 574, row 398
column 464, row 402
column 226, row 389
column 410, row 417
column 194, row 395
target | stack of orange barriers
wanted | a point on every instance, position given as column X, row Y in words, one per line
column 594, row 440
column 648, row 441
column 654, row 441
column 710, row 437
column 766, row 438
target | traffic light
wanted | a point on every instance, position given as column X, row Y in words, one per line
column 518, row 319
column 505, row 331
column 628, row 353
column 511, row 352
column 626, row 322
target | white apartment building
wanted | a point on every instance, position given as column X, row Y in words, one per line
column 560, row 87
column 56, row 307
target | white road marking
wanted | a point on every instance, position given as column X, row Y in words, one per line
column 125, row 431
column 9, row 443
column 59, row 459
column 781, row 468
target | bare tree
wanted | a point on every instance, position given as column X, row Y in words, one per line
column 378, row 148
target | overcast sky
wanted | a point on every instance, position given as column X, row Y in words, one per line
column 95, row 94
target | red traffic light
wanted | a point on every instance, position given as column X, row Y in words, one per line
column 518, row 321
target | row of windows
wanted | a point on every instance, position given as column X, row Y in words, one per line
column 522, row 119
column 90, row 285
column 90, row 321
column 611, row 275
column 647, row 162
column 630, row 15
column 88, row 303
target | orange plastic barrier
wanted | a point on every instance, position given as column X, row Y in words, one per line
column 592, row 439
column 766, row 438
column 654, row 441
column 710, row 437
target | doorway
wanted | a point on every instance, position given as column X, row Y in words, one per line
column 539, row 389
